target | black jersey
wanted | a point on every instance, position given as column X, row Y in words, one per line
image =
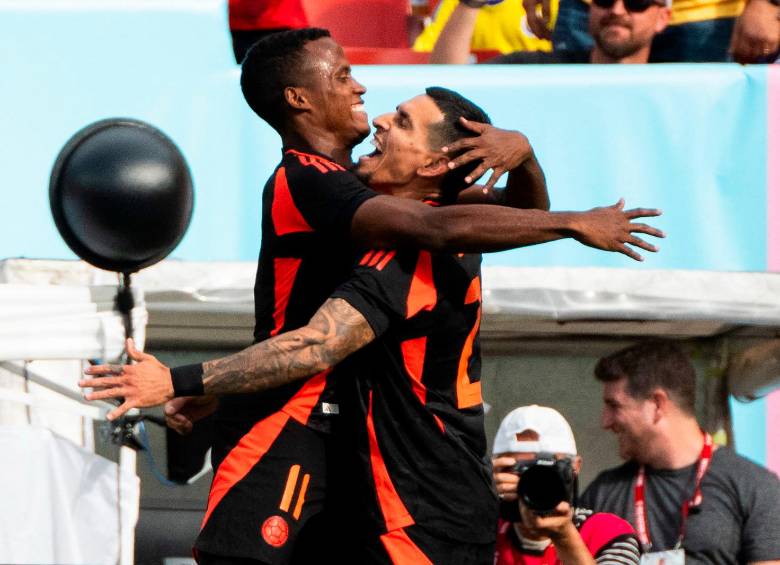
column 306, row 252
column 411, row 401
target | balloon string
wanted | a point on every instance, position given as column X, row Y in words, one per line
column 124, row 304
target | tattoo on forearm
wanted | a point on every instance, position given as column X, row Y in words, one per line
column 335, row 331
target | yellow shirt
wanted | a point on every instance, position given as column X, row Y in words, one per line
column 502, row 27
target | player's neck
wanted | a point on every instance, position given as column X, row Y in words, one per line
column 412, row 191
column 678, row 446
column 321, row 141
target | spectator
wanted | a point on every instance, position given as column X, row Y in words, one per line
column 699, row 30
column 687, row 499
column 566, row 535
column 250, row 20
column 500, row 27
column 623, row 31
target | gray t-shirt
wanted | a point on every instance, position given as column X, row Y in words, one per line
column 738, row 520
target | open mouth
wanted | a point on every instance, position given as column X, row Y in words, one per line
column 378, row 149
column 359, row 107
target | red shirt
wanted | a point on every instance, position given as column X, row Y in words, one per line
column 266, row 14
column 601, row 532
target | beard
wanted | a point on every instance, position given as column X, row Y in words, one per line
column 616, row 48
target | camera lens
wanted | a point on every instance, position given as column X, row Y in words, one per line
column 543, row 486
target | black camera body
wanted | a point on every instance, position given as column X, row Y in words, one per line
column 545, row 482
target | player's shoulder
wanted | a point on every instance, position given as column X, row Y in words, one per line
column 297, row 162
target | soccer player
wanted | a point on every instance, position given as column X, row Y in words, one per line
column 269, row 453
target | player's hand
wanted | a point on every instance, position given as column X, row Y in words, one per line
column 756, row 32
column 611, row 229
column 147, row 383
column 506, row 481
column 540, row 26
column 555, row 524
column 182, row 413
column 498, row 149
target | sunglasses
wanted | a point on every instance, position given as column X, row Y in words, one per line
column 630, row 5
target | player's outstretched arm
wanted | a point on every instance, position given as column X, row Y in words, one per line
column 335, row 331
column 390, row 223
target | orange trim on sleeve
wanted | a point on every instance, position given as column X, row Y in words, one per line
column 285, row 215
column 422, row 292
column 393, row 509
column 245, row 455
column 467, row 393
column 285, row 271
column 402, row 550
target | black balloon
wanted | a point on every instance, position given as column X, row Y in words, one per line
column 121, row 194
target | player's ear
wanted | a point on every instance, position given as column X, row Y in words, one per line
column 297, row 98
column 435, row 167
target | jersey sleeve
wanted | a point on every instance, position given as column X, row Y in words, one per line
column 326, row 196
column 379, row 287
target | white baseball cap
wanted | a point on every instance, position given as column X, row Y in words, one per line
column 555, row 435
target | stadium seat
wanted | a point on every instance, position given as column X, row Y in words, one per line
column 361, row 23
column 385, row 56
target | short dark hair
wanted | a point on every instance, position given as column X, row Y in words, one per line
column 650, row 365
column 271, row 65
column 453, row 106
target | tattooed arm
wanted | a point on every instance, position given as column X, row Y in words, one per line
column 335, row 331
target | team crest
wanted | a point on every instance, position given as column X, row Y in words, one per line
column 275, row 531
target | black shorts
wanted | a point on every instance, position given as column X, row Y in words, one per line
column 415, row 546
column 265, row 491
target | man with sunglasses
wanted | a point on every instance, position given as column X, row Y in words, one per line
column 622, row 31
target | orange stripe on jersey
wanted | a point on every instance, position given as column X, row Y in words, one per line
column 402, row 550
column 285, row 216
column 366, row 258
column 383, row 263
column 393, row 509
column 245, row 455
column 285, row 271
column 289, row 489
column 320, row 163
column 468, row 393
column 301, row 496
column 299, row 407
column 413, row 351
column 439, row 423
column 422, row 293
column 375, row 259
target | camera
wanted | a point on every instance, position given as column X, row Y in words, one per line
column 545, row 482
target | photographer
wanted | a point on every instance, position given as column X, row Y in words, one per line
column 539, row 523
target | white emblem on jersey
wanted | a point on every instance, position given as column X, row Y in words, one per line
column 329, row 408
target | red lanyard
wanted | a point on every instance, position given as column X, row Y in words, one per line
column 640, row 508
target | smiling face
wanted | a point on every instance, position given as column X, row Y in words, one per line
column 336, row 97
column 620, row 33
column 403, row 151
column 629, row 418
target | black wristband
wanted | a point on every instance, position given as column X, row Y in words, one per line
column 188, row 380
